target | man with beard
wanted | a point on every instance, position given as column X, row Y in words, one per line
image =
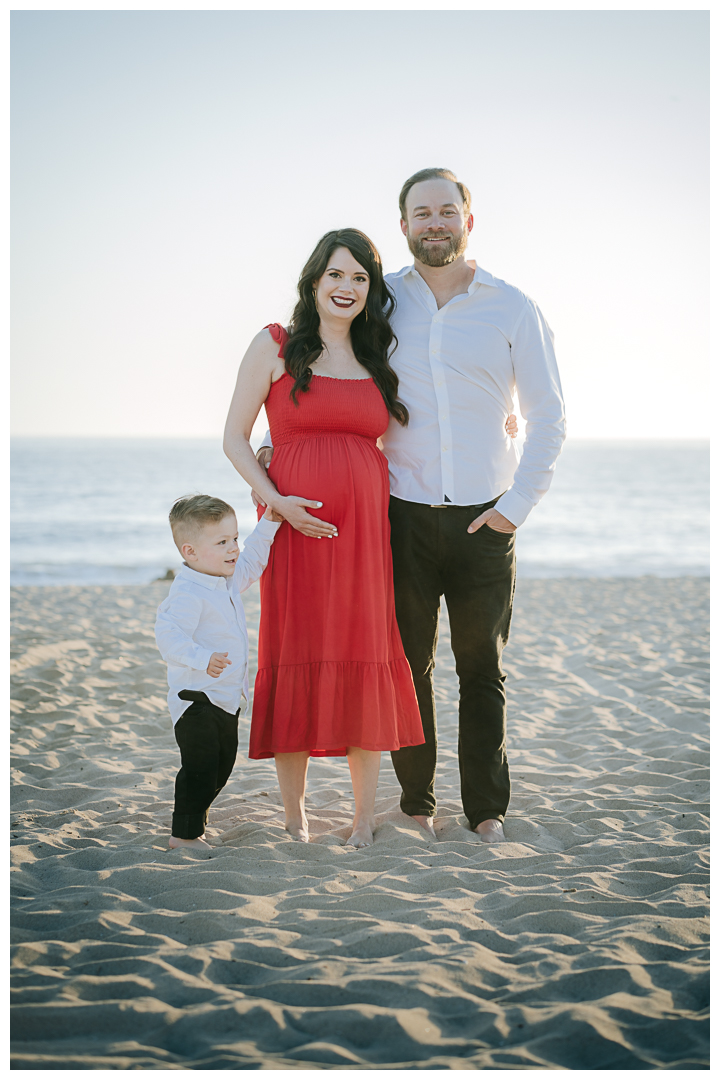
column 466, row 342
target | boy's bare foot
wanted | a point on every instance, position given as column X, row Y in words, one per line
column 198, row 842
column 299, row 831
column 491, row 832
column 362, row 834
column 425, row 822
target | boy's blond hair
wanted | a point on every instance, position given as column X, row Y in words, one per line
column 190, row 513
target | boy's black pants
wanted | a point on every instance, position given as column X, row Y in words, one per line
column 433, row 554
column 208, row 741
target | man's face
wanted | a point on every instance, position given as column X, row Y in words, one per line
column 435, row 227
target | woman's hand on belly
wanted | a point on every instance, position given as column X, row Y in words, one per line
column 293, row 509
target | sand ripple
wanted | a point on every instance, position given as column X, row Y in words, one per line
column 582, row 944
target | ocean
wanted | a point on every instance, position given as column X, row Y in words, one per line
column 94, row 511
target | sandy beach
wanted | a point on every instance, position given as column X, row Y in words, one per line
column 581, row 944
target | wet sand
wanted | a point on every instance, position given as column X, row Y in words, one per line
column 581, row 944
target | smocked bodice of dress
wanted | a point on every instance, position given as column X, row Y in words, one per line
column 329, row 407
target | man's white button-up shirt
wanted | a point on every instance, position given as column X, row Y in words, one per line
column 203, row 614
column 458, row 368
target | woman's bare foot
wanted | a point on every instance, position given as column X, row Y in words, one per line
column 198, row 842
column 292, row 777
column 491, row 832
column 298, row 830
column 425, row 823
column 362, row 834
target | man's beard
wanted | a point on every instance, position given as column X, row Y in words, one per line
column 439, row 253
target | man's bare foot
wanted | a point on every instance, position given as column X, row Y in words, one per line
column 298, row 830
column 198, row 842
column 362, row 834
column 491, row 832
column 425, row 822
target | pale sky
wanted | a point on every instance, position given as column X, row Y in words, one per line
column 172, row 171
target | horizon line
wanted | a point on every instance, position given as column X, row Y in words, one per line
column 185, row 435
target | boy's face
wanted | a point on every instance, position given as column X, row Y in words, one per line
column 215, row 549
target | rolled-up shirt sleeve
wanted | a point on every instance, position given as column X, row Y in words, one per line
column 177, row 619
column 541, row 404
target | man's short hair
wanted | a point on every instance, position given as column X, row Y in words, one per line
column 190, row 513
column 434, row 174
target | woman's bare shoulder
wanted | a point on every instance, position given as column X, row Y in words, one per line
column 261, row 360
column 264, row 340
column 263, row 349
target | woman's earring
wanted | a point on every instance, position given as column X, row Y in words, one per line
column 366, row 315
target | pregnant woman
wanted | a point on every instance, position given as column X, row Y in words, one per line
column 332, row 677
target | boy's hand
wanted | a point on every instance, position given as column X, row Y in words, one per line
column 218, row 663
column 272, row 515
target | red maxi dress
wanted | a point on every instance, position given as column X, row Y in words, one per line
column 331, row 668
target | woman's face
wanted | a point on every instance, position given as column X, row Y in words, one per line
column 341, row 293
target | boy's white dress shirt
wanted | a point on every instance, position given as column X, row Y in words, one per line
column 202, row 615
column 458, row 367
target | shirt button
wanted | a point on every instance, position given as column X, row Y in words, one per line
column 444, row 449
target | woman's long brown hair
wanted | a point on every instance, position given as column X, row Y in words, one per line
column 373, row 340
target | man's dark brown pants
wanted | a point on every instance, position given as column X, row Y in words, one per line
column 434, row 555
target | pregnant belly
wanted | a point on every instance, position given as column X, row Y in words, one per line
column 347, row 474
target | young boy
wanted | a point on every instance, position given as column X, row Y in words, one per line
column 201, row 634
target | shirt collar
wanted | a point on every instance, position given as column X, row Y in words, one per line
column 480, row 277
column 208, row 581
